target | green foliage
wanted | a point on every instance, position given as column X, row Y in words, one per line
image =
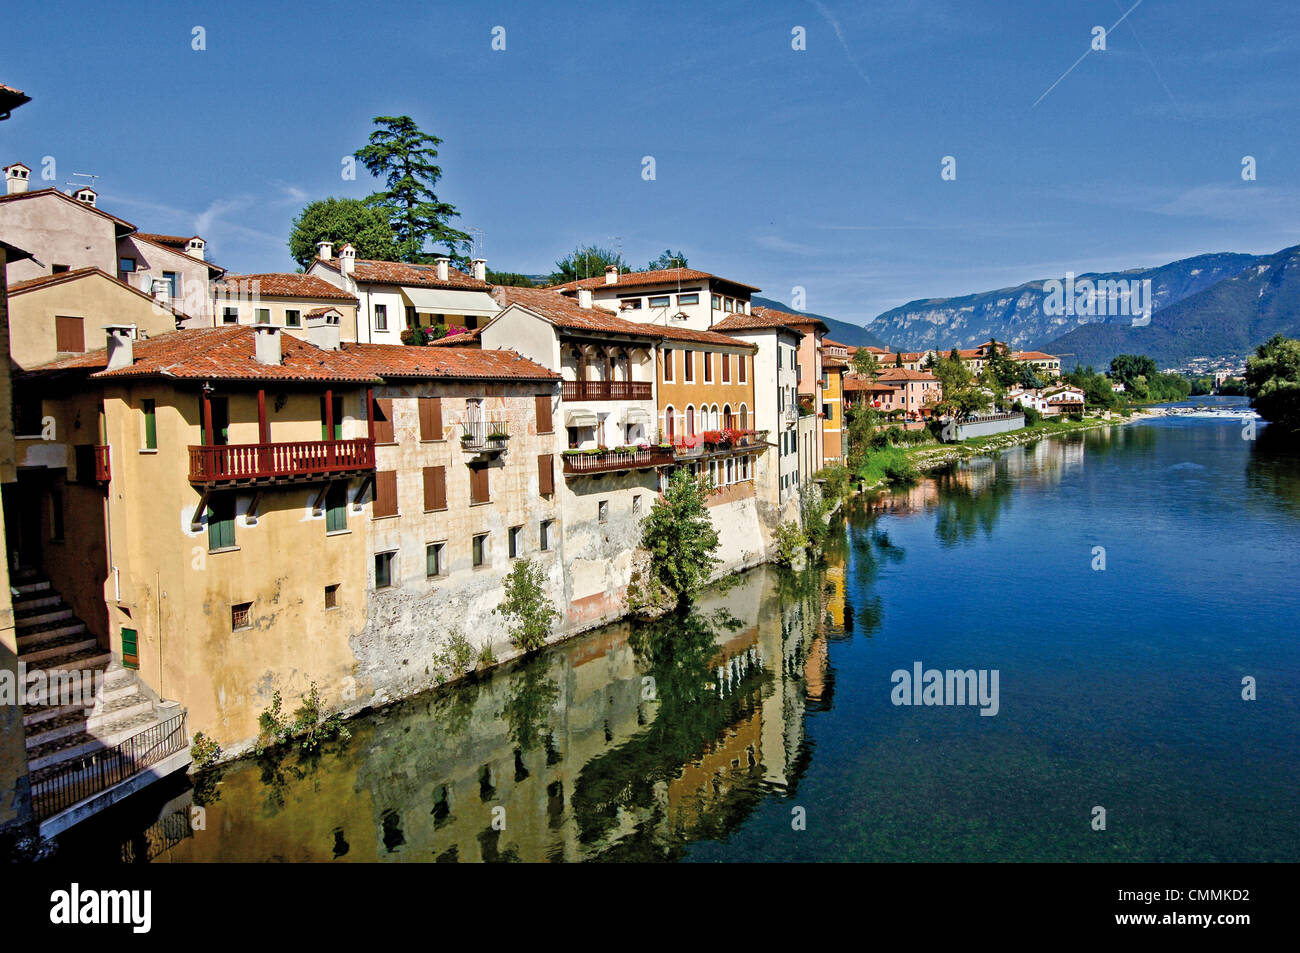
column 813, row 508
column 836, row 481
column 790, row 542
column 341, row 221
column 1273, row 383
column 587, row 261
column 306, row 727
column 456, row 656
column 862, row 422
column 509, row 278
column 403, row 155
column 1096, row 387
column 962, row 394
column 204, row 751
column 886, row 465
column 669, row 259
column 528, row 612
column 865, row 364
column 486, row 657
column 1029, row 379
column 1002, row 368
column 680, row 537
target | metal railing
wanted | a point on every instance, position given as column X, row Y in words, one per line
column 605, row 390
column 485, row 434
column 100, row 770
column 580, row 463
column 279, row 461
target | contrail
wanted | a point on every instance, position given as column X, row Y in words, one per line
column 839, row 35
column 1085, row 55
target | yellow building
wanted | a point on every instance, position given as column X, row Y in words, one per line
column 832, row 410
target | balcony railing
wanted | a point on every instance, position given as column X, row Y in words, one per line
column 718, row 441
column 280, row 462
column 605, row 390
column 100, row 770
column 485, row 436
column 583, row 462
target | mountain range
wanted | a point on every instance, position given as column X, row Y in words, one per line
column 842, row 332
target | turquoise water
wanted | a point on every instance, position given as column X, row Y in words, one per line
column 1119, row 688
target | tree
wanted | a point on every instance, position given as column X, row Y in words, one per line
column 339, row 221
column 509, row 278
column 525, row 606
column 1003, row 368
column 1273, row 383
column 403, row 156
column 669, row 259
column 962, row 394
column 680, row 536
column 1127, row 368
column 865, row 364
column 1028, row 379
column 588, row 261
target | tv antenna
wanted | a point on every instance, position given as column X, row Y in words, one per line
column 82, row 175
column 476, row 241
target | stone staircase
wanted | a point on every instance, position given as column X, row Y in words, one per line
column 53, row 640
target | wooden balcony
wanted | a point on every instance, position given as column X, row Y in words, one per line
column 605, row 390
column 267, row 464
column 712, row 442
column 586, row 464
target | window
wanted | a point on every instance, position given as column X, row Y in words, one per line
column 629, row 304
column 59, row 269
column 546, row 474
column 660, row 301
column 478, row 485
column 383, row 417
column 668, row 363
column 741, row 369
column 241, row 616
column 544, row 535
column 688, row 365
column 148, row 408
column 173, row 283
column 602, row 511
column 729, row 304
column 336, row 508
column 430, row 418
column 385, row 494
column 716, row 302
column 544, row 422
column 708, row 367
column 263, row 315
column 381, row 317
column 433, row 559
column 221, row 522
column 126, row 265
column 292, row 319
column 332, row 596
column 514, row 534
column 383, row 570
column 435, row 489
column 726, row 367
column 688, row 299
column 826, row 410
column 636, row 503
column 480, row 550
column 56, row 515
column 69, row 334
column 229, row 315
column 336, row 411
column 412, row 318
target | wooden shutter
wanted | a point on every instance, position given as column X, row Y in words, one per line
column 430, row 418
column 383, row 411
column 69, row 334
column 544, row 422
column 478, row 485
column 546, row 474
column 385, row 494
column 435, row 488
column 726, row 368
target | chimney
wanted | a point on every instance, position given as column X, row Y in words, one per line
column 478, row 269
column 325, row 251
column 611, row 274
column 86, row 195
column 347, row 258
column 266, row 344
column 323, row 329
column 440, row 267
column 161, row 289
column 121, row 347
column 195, row 248
column 584, row 298
column 17, row 178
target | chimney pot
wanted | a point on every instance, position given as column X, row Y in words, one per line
column 323, row 330
column 86, row 195
column 478, row 269
column 440, row 266
column 17, row 178
column 325, row 250
column 584, row 297
column 266, row 344
column 121, row 345
column 347, row 258
column 611, row 274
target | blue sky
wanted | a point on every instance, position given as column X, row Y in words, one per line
column 780, row 168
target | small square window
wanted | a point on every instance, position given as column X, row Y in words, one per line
column 293, row 319
column 480, row 550
column 602, row 511
column 433, row 561
column 383, row 570
column 515, row 534
column 241, row 616
column 332, row 596
column 544, row 538
column 126, row 265
column 263, row 316
column 229, row 315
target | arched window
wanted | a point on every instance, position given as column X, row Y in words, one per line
column 727, row 421
column 690, row 421
column 744, row 417
column 670, row 429
column 715, row 417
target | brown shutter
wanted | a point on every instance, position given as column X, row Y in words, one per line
column 430, row 418
column 384, row 420
column 385, row 494
column 726, row 368
column 546, row 474
column 435, row 488
column 69, row 334
column 478, row 485
column 544, row 422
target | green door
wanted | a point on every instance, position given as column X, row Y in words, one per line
column 130, row 649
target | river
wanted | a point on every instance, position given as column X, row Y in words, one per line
column 1121, row 583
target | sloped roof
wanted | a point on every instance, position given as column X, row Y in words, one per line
column 125, row 226
column 643, row 279
column 286, row 285
column 761, row 319
column 403, row 273
column 403, row 361
column 76, row 274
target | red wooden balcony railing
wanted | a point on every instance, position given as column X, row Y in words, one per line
column 605, row 390
column 280, row 462
column 581, row 464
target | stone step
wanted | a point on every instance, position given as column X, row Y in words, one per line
column 43, row 637
column 51, row 651
column 26, row 588
column 58, row 753
column 119, row 711
column 33, row 605
column 46, row 614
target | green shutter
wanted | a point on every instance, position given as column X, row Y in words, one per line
column 130, row 649
column 336, row 508
column 150, row 426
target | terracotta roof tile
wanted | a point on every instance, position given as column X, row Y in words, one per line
column 758, row 320
column 284, row 285
column 157, row 239
column 405, row 361
column 642, row 279
column 401, row 273
column 76, row 274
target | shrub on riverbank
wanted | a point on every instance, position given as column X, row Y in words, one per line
column 886, row 465
column 527, row 610
column 307, row 727
column 680, row 537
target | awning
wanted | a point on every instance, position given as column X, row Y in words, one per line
column 580, row 418
column 442, row 301
column 635, row 415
